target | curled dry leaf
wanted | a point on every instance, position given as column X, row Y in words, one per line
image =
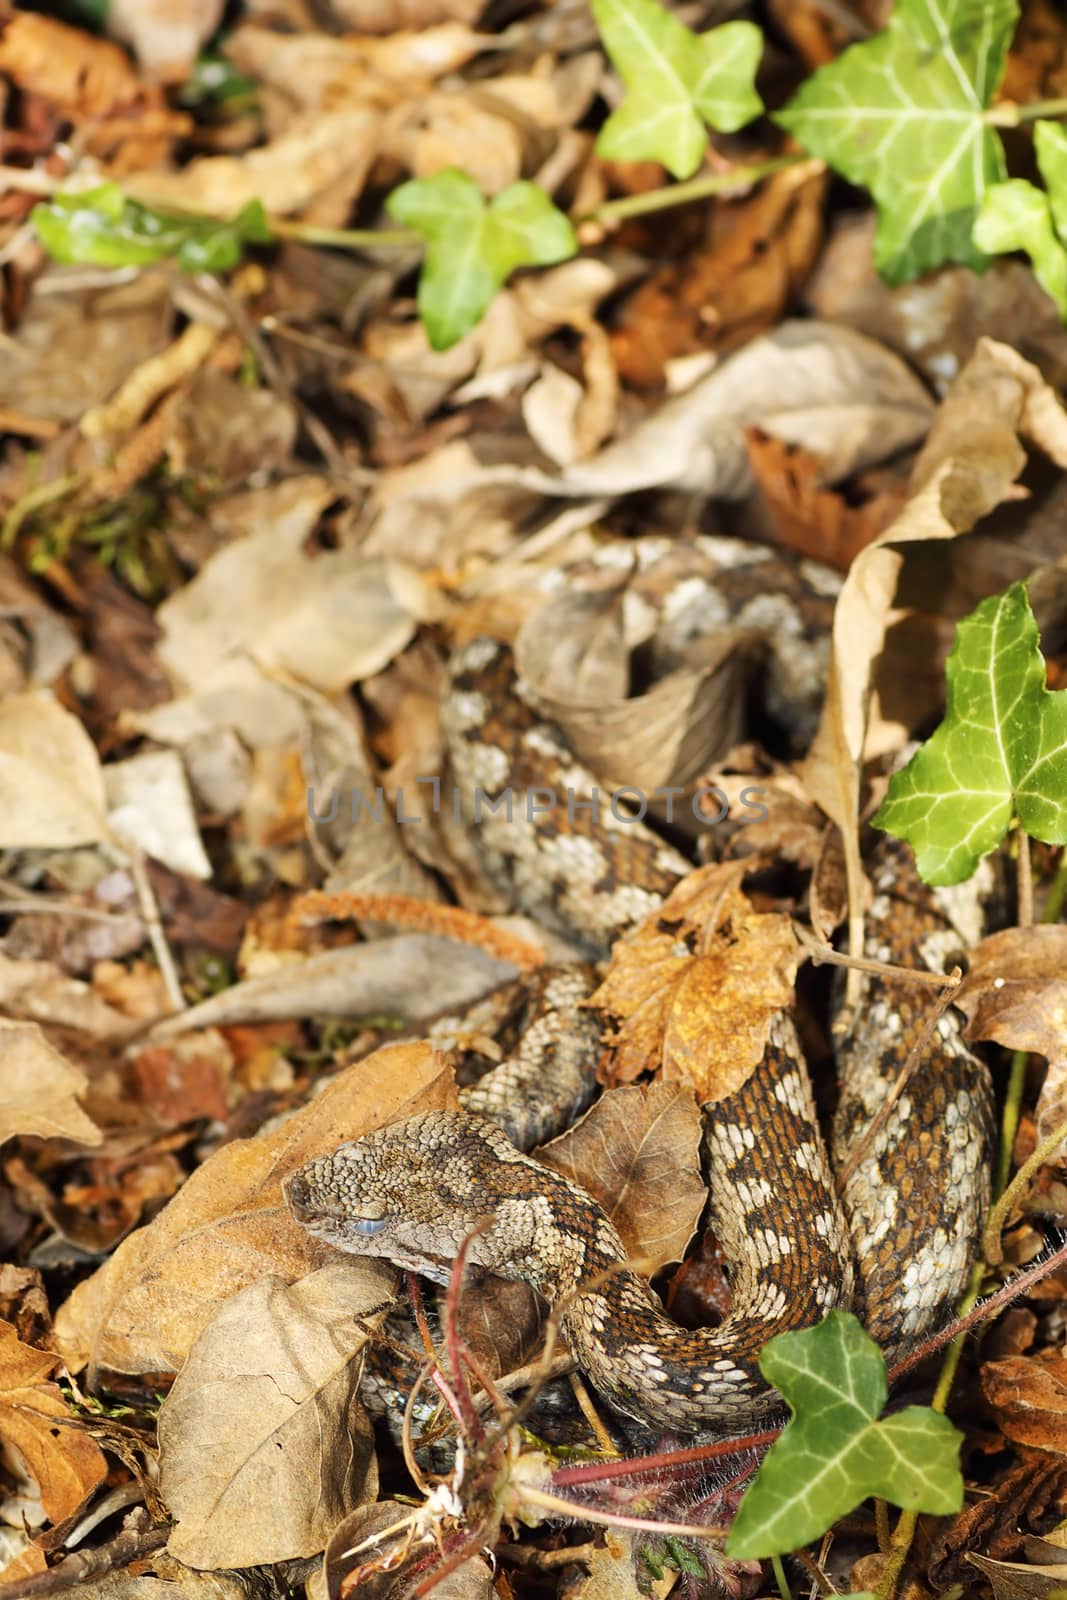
column 51, row 784
column 1029, row 1396
column 229, row 1226
column 366, row 1555
column 412, row 976
column 165, row 37
column 264, row 1444
column 1015, row 994
column 638, row 1153
column 968, row 465
column 34, row 1418
column 572, row 653
column 39, row 1089
column 816, row 384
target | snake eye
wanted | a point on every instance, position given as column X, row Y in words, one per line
column 369, row 1225
column 371, row 1219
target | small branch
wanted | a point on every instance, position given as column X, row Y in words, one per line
column 134, row 1543
column 153, row 923
column 825, row 954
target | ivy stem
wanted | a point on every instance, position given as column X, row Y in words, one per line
column 735, row 181
column 783, row 1582
column 1009, row 115
column 1025, row 878
column 345, row 238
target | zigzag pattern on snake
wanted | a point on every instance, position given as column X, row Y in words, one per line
column 897, row 1245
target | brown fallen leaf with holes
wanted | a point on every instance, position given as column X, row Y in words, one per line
column 1015, row 994
column 229, row 1226
column 1034, row 1490
column 638, row 1153
column 697, row 985
column 806, row 515
column 36, row 1420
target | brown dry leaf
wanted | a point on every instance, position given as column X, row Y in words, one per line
column 1030, row 1495
column 36, row 1420
column 572, row 654
column 806, row 516
column 229, row 1226
column 968, row 465
column 51, row 783
column 326, row 618
column 411, row 976
column 403, row 912
column 1029, row 1396
column 648, row 966
column 722, row 1010
column 84, row 76
column 638, row 1153
column 736, row 283
column 1014, row 1580
column 331, row 151
column 264, row 1444
column 1015, row 994
column 819, row 385
column 37, row 991
column 39, row 1089
column 381, row 1534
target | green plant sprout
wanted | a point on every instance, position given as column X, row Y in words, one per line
column 908, row 114
column 1000, row 756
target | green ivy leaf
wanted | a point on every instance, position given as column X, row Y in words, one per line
column 835, row 1452
column 103, row 227
column 1019, row 216
column 677, row 81
column 1000, row 752
column 471, row 248
column 902, row 116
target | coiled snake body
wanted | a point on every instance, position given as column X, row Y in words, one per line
column 896, row 1245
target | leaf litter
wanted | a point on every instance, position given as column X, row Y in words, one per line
column 245, row 522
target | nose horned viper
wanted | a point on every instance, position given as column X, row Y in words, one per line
column 895, row 1245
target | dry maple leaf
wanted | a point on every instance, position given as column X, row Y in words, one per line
column 697, row 985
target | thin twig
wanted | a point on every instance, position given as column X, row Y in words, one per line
column 153, row 923
column 821, row 954
column 134, row 1543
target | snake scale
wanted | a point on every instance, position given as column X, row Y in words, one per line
column 896, row 1245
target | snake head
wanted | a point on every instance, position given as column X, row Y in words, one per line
column 412, row 1192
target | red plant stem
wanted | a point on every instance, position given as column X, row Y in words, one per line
column 454, row 1344
column 665, row 1461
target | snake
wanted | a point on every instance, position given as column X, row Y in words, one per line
column 883, row 1218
